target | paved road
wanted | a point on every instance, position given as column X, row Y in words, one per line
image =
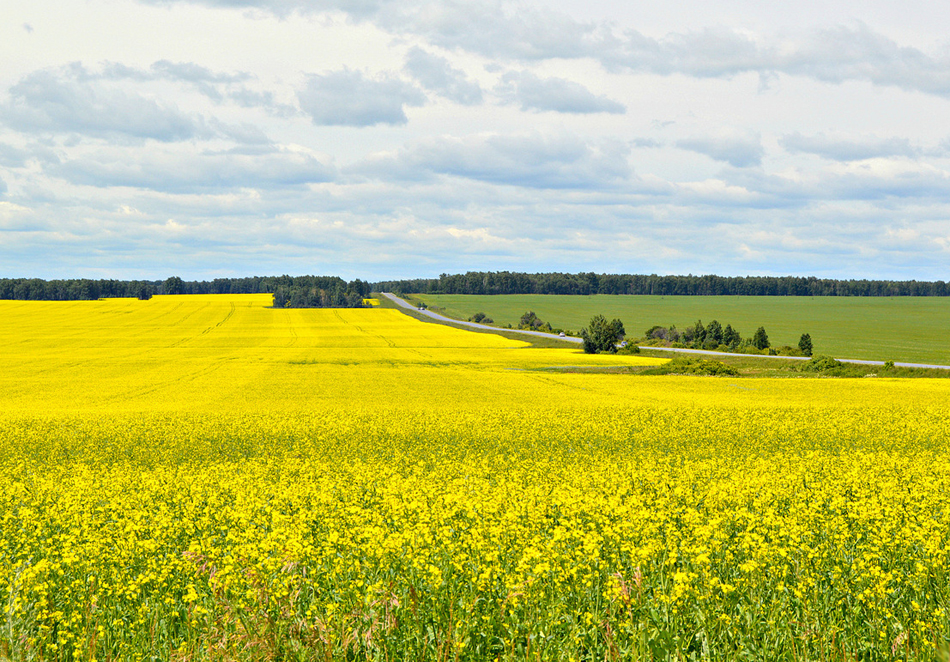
column 442, row 318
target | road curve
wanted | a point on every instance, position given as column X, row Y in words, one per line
column 442, row 318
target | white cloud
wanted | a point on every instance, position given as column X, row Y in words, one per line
column 848, row 149
column 12, row 157
column 435, row 74
column 348, row 98
column 59, row 101
column 507, row 31
column 185, row 171
column 554, row 94
column 477, row 134
column 526, row 160
column 740, row 151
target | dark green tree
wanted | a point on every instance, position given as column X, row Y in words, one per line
column 696, row 334
column 714, row 334
column 173, row 285
column 804, row 344
column 602, row 336
column 761, row 339
column 731, row 337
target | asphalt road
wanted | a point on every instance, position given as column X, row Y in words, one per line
column 442, row 318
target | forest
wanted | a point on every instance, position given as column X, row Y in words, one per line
column 291, row 290
column 506, row 282
column 288, row 291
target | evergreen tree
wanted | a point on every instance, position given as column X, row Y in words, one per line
column 761, row 339
column 731, row 337
column 714, row 334
column 804, row 344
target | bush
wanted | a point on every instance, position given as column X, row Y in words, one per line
column 690, row 366
column 821, row 364
column 530, row 322
column 788, row 350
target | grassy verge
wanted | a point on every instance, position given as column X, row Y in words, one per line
column 534, row 341
column 718, row 365
column 908, row 329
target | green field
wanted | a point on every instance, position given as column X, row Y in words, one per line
column 912, row 329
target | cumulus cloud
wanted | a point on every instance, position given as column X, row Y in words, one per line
column 12, row 157
column 218, row 86
column 844, row 149
column 164, row 70
column 844, row 53
column 437, row 75
column 531, row 161
column 348, row 98
column 180, row 171
column 503, row 30
column 284, row 8
column 54, row 101
column 740, row 151
column 555, row 94
column 497, row 29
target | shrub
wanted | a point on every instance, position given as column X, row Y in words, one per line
column 821, row 364
column 691, row 366
column 530, row 322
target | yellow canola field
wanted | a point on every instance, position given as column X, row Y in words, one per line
column 203, row 477
column 205, row 353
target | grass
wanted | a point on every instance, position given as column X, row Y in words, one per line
column 909, row 329
column 533, row 341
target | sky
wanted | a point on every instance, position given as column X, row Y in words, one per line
column 382, row 139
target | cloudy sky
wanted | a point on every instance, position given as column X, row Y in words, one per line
column 386, row 139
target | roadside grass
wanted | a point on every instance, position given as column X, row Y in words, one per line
column 692, row 364
column 908, row 329
column 754, row 367
column 534, row 341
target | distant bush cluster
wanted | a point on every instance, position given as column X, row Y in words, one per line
column 530, row 322
column 715, row 337
column 481, row 318
column 688, row 365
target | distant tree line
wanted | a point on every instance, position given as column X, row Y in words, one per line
column 288, row 291
column 77, row 289
column 506, row 282
column 321, row 293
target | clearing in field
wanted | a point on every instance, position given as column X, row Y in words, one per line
column 204, row 477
